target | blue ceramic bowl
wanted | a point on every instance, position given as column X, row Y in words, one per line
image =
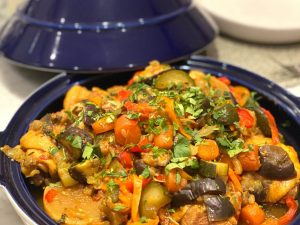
column 95, row 36
column 48, row 98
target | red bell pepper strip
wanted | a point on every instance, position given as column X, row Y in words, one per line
column 273, row 126
column 124, row 94
column 50, row 195
column 129, row 183
column 246, row 118
column 144, row 108
column 290, row 214
column 126, row 159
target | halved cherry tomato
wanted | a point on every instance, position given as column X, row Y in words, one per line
column 172, row 183
column 165, row 138
column 127, row 131
column 246, row 118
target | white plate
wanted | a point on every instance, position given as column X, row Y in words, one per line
column 264, row 21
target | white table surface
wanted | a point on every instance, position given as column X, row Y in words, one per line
column 17, row 83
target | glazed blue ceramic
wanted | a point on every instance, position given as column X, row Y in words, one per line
column 48, row 98
column 95, row 36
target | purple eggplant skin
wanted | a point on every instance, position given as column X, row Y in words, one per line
column 197, row 188
column 139, row 166
column 90, row 114
column 218, row 208
column 66, row 139
column 275, row 163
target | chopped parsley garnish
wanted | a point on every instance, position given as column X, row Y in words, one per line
column 88, row 151
column 53, row 150
column 232, row 147
column 181, row 163
column 143, row 219
column 182, row 147
column 146, row 173
column 156, row 125
column 76, row 142
column 132, row 115
column 119, row 207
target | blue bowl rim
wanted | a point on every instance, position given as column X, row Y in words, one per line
column 287, row 101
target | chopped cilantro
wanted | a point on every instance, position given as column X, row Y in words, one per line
column 88, row 151
column 158, row 151
column 155, row 125
column 181, row 163
column 232, row 147
column 132, row 115
column 77, row 142
column 53, row 150
column 143, row 219
column 119, row 207
column 146, row 172
column 70, row 115
column 182, row 147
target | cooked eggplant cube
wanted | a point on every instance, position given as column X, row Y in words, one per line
column 218, row 208
column 275, row 163
column 197, row 188
column 91, row 114
column 80, row 171
column 182, row 197
column 212, row 169
column 139, row 166
column 73, row 140
column 208, row 186
column 261, row 119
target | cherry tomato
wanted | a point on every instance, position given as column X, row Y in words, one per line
column 127, row 131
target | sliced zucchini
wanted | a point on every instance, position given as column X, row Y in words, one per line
column 80, row 171
column 226, row 114
column 173, row 77
column 154, row 196
column 212, row 169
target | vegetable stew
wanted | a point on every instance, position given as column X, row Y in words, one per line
column 170, row 147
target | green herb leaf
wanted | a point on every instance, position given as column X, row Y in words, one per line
column 77, row 142
column 88, row 151
column 119, row 207
column 182, row 147
column 232, row 147
column 53, row 150
column 146, row 172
